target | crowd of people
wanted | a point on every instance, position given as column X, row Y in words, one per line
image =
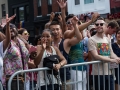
column 74, row 41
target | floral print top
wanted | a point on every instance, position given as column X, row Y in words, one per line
column 13, row 58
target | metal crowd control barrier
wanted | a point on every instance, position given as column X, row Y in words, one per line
column 1, row 87
column 89, row 85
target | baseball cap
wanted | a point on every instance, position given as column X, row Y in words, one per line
column 91, row 27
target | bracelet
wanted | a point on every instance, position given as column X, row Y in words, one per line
column 60, row 64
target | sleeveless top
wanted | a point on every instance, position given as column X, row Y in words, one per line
column 41, row 75
column 61, row 48
column 116, row 49
column 76, row 56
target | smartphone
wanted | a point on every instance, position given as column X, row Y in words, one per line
column 32, row 49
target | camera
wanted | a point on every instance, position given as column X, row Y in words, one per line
column 57, row 14
column 56, row 18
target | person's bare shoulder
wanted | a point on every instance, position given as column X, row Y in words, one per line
column 66, row 33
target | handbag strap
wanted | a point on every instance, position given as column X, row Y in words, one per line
column 21, row 54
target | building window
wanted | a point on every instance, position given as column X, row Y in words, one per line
column 15, row 12
column 3, row 10
column 39, row 7
column 88, row 1
column 21, row 13
column 49, row 6
column 49, row 2
column 27, row 13
column 77, row 2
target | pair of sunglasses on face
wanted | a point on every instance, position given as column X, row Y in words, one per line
column 26, row 33
column 69, row 22
column 99, row 24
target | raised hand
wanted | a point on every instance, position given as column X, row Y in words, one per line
column 44, row 45
column 59, row 18
column 52, row 15
column 74, row 20
column 95, row 16
column 88, row 34
column 43, row 41
column 7, row 33
column 10, row 18
column 62, row 4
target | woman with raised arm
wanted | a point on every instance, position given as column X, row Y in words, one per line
column 16, row 59
column 4, row 44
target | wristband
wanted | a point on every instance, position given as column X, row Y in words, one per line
column 60, row 64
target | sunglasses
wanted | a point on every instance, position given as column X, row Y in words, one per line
column 68, row 22
column 26, row 33
column 101, row 24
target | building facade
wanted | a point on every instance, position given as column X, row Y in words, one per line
column 115, row 6
column 87, row 6
column 32, row 14
column 42, row 10
column 3, row 8
column 24, row 15
column 115, row 9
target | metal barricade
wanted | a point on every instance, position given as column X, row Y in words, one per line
column 1, row 87
column 90, row 84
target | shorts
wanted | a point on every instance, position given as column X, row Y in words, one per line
column 81, row 76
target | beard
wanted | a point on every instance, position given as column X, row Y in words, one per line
column 13, row 36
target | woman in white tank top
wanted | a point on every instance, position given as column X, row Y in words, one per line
column 44, row 50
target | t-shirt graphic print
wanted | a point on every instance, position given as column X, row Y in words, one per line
column 103, row 49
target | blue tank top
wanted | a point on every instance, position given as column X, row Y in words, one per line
column 61, row 48
column 76, row 56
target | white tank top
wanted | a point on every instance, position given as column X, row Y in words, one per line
column 41, row 74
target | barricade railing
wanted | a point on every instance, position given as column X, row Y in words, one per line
column 87, row 81
column 1, row 87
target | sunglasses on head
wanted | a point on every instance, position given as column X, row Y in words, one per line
column 101, row 24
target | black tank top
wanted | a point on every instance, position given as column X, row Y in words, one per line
column 61, row 48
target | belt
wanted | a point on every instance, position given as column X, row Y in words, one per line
column 15, row 78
